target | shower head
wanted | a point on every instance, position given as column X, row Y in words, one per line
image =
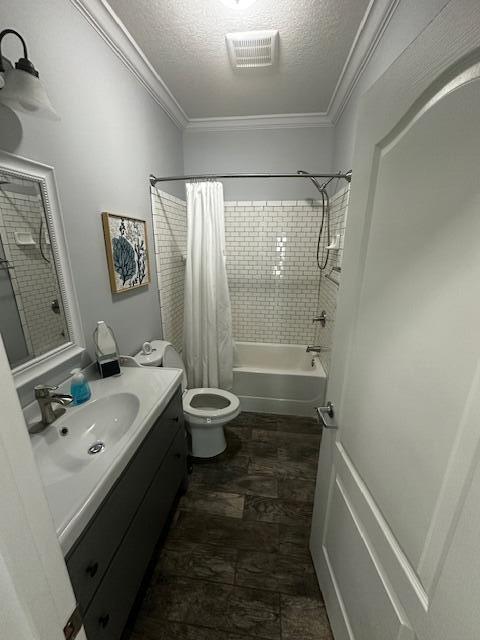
column 19, row 189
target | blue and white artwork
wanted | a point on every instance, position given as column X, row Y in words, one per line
column 127, row 252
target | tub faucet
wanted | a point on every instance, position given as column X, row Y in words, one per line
column 316, row 349
column 46, row 399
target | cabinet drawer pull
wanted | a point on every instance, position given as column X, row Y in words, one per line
column 104, row 620
column 178, row 455
column 176, row 419
column 92, row 569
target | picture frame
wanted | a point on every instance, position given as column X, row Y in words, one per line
column 126, row 246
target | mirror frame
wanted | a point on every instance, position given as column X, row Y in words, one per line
column 44, row 176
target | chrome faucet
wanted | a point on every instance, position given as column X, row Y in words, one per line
column 45, row 399
column 316, row 349
column 322, row 318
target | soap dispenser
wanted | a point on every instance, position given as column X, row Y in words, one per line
column 79, row 387
column 106, row 350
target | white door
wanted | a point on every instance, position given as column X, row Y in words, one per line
column 36, row 597
column 396, row 528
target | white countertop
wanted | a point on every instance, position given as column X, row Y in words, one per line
column 75, row 485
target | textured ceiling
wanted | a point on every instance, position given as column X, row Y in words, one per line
column 185, row 42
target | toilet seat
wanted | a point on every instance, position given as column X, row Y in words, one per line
column 196, row 414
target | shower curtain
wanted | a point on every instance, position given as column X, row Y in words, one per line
column 208, row 342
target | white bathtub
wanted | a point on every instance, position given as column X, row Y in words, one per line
column 277, row 378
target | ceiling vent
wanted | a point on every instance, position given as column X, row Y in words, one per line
column 252, row 49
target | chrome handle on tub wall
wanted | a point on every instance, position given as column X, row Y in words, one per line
column 326, row 416
column 322, row 318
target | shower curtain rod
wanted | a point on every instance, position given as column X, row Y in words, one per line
column 214, row 176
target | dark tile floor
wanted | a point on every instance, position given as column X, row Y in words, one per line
column 235, row 564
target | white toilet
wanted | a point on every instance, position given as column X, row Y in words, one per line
column 205, row 410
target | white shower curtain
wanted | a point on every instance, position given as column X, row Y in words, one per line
column 208, row 343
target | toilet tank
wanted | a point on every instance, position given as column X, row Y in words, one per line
column 155, row 358
column 171, row 358
column 163, row 354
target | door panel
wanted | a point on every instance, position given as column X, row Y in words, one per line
column 391, row 561
column 395, row 481
column 353, row 561
column 416, row 341
column 33, row 570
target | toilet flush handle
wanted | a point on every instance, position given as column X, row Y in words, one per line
column 147, row 348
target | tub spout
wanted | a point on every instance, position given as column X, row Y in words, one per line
column 316, row 349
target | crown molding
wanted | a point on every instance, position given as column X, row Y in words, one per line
column 270, row 121
column 377, row 17
column 369, row 35
column 111, row 29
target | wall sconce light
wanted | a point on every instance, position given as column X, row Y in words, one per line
column 22, row 89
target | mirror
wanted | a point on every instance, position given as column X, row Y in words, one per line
column 39, row 320
column 32, row 318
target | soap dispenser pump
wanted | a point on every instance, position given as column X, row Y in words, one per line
column 106, row 350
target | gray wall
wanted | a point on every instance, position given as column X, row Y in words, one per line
column 408, row 21
column 262, row 150
column 111, row 136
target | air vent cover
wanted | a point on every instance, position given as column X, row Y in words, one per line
column 252, row 49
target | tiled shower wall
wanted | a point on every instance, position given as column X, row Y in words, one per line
column 170, row 229
column 327, row 299
column 34, row 281
column 274, row 281
column 272, row 273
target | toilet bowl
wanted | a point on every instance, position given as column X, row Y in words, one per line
column 206, row 410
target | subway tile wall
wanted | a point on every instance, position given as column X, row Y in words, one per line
column 170, row 229
column 327, row 299
column 274, row 281
column 271, row 267
column 34, row 281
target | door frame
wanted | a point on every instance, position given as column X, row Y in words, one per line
column 448, row 44
column 33, row 565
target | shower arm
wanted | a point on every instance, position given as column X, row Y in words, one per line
column 314, row 180
column 321, row 188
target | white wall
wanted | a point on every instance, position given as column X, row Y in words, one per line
column 261, row 151
column 409, row 19
column 111, row 136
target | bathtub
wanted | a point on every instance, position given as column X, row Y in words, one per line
column 277, row 378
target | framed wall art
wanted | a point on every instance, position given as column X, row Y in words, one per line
column 127, row 252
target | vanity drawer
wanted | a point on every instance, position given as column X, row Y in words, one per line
column 108, row 612
column 91, row 556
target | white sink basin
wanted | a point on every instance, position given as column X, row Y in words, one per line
column 83, row 432
column 114, row 422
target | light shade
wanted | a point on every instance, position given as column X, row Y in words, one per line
column 25, row 92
